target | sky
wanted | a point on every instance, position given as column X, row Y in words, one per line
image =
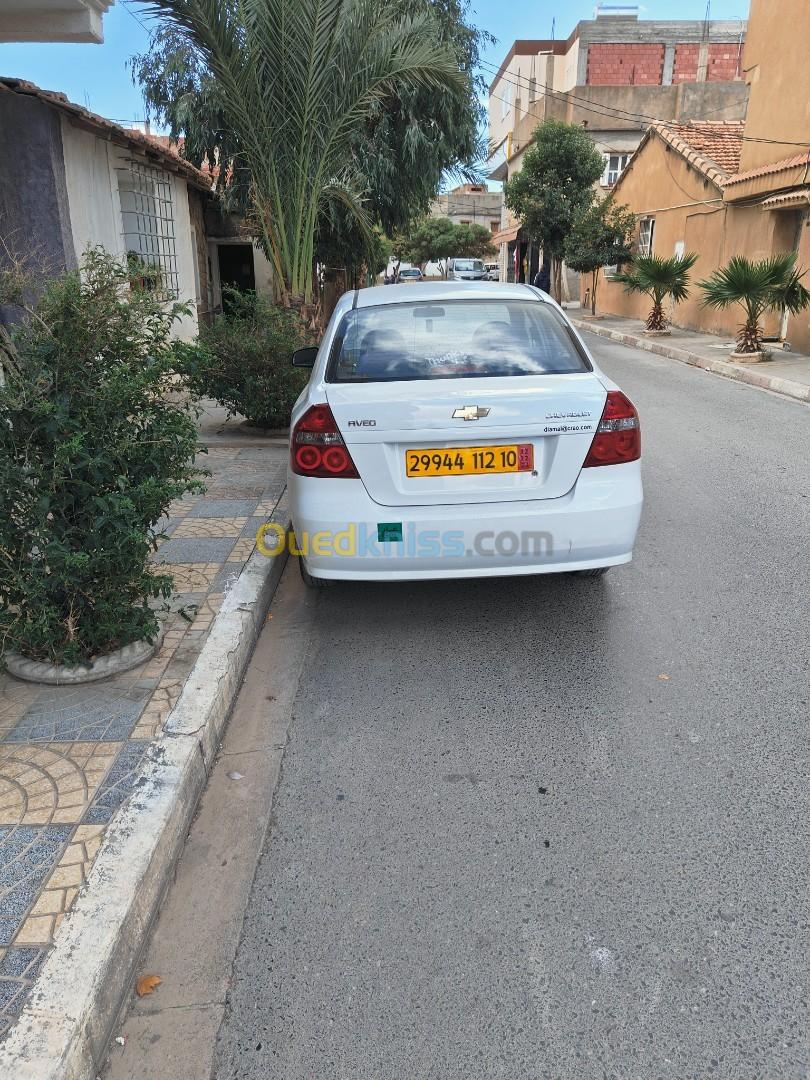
column 97, row 76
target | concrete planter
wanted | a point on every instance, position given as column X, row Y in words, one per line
column 656, row 333
column 749, row 357
column 102, row 667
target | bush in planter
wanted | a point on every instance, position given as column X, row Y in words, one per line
column 91, row 455
column 243, row 359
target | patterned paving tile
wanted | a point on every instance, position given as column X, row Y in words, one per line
column 224, row 508
column 153, row 717
column 194, row 550
column 181, row 507
column 252, row 526
column 242, row 550
column 194, row 577
column 226, row 577
column 207, row 611
column 62, row 887
column 81, row 713
column 236, row 491
column 52, row 782
column 10, row 714
column 18, row 969
column 28, row 854
column 266, row 507
column 209, row 527
column 118, row 784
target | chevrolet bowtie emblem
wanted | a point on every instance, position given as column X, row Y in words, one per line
column 470, row 412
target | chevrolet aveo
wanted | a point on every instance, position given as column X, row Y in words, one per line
column 455, row 431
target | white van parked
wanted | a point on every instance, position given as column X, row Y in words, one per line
column 466, row 270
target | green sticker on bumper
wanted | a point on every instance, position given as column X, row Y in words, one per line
column 389, row 530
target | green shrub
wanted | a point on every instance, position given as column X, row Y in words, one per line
column 243, row 360
column 91, row 455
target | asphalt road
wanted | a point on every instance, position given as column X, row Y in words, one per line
column 558, row 827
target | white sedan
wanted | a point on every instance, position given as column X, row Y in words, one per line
column 457, row 430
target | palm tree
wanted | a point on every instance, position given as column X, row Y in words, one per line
column 296, row 78
column 659, row 278
column 773, row 284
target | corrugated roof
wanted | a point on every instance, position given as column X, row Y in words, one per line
column 154, row 146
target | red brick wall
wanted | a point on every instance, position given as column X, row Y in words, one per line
column 686, row 63
column 625, row 65
column 722, row 62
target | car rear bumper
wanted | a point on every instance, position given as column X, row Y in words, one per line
column 338, row 530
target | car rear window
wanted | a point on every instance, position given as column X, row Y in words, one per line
column 453, row 339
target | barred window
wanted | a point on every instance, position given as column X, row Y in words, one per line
column 147, row 213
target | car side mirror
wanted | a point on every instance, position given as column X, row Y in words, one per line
column 305, row 357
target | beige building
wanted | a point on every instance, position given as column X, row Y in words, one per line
column 52, row 20
column 614, row 75
column 725, row 189
column 470, row 204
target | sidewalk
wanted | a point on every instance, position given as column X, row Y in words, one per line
column 788, row 373
column 69, row 756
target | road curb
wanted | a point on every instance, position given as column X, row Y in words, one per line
column 785, row 387
column 66, row 1025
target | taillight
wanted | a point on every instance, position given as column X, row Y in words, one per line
column 618, row 437
column 317, row 447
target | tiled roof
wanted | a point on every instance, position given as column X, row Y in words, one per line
column 154, row 146
column 797, row 197
column 712, row 146
column 773, row 167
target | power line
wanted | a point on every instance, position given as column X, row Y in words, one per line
column 130, row 12
column 592, row 106
column 606, row 110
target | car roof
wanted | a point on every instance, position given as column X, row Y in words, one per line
column 379, row 295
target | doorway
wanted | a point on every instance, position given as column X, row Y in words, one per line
column 236, row 269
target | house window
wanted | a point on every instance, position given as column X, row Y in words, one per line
column 495, row 226
column 615, row 165
column 646, row 236
column 506, row 99
column 147, row 213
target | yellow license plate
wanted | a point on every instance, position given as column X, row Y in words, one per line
column 470, row 460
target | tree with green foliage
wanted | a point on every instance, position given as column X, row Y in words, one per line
column 294, row 81
column 436, row 240
column 601, row 235
column 658, row 279
column 474, row 242
column 397, row 154
column 555, row 183
column 773, row 284
column 92, row 451
column 430, row 240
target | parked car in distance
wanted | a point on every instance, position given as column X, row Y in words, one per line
column 493, row 271
column 466, row 270
column 412, row 273
column 459, row 431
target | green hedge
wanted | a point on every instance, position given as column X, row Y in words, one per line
column 91, row 455
column 242, row 360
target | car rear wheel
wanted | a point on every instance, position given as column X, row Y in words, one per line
column 310, row 581
column 595, row 571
